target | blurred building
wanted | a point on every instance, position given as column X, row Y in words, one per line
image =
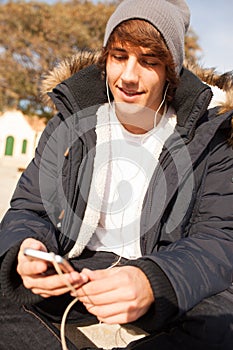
column 19, row 136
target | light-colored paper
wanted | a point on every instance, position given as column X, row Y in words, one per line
column 110, row 336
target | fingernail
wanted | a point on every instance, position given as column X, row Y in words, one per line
column 84, row 277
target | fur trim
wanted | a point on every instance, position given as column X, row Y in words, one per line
column 64, row 70
column 82, row 59
column 223, row 81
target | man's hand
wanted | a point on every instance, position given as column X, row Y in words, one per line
column 118, row 295
column 32, row 272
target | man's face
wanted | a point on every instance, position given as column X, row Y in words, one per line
column 135, row 76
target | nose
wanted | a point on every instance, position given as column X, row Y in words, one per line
column 130, row 74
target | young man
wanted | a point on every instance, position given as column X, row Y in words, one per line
column 133, row 173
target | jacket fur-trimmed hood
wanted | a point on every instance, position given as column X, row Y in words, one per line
column 64, row 70
column 221, row 84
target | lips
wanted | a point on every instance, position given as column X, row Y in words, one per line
column 130, row 93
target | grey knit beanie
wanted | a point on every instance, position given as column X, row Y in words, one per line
column 170, row 17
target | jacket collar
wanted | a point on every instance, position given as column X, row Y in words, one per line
column 77, row 93
column 83, row 86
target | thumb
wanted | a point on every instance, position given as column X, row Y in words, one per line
column 97, row 274
column 88, row 273
column 34, row 244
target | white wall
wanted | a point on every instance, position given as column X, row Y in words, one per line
column 13, row 123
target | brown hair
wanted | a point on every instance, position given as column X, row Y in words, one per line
column 137, row 32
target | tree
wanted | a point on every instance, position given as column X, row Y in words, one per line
column 35, row 36
column 191, row 47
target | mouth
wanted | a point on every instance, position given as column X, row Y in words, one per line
column 130, row 93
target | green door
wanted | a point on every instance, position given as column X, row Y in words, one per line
column 24, row 147
column 9, row 146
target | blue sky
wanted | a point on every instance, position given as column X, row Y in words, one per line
column 212, row 22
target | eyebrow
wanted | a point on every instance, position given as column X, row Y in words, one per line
column 120, row 49
column 149, row 55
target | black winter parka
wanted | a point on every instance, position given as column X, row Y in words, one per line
column 186, row 242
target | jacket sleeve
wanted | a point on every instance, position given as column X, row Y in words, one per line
column 200, row 264
column 27, row 216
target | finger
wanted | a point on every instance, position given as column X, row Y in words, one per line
column 116, row 313
column 32, row 243
column 49, row 293
column 104, row 298
column 99, row 274
column 49, row 283
column 24, row 269
column 30, row 266
column 78, row 278
column 53, row 285
column 96, row 287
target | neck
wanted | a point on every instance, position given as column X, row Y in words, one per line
column 140, row 122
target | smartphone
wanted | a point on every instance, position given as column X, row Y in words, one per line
column 39, row 254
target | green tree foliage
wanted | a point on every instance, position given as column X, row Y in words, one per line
column 36, row 35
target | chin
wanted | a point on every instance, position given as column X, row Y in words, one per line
column 129, row 108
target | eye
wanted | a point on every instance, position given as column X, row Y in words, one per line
column 149, row 63
column 119, row 57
